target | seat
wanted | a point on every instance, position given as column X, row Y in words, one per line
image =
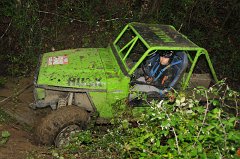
column 179, row 64
column 178, row 68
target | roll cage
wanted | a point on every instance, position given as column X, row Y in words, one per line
column 156, row 37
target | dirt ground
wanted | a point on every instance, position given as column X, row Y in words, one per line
column 15, row 98
column 21, row 145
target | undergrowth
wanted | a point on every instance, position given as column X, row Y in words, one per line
column 188, row 128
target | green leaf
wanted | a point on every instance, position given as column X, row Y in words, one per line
column 199, row 148
column 3, row 141
column 171, row 143
column 215, row 102
column 143, row 154
column 216, row 111
column 193, row 152
column 125, row 124
column 165, row 133
column 5, row 134
column 182, row 99
column 203, row 156
column 165, row 124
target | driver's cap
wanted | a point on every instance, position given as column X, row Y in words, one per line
column 167, row 53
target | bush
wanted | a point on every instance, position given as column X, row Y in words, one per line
column 189, row 128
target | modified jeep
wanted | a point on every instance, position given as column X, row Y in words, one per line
column 83, row 84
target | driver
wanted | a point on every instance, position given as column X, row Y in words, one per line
column 156, row 74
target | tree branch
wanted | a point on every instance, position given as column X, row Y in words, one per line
column 82, row 21
column 6, row 29
column 204, row 119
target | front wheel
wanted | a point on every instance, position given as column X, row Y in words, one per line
column 57, row 126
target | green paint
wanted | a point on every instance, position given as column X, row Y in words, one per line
column 105, row 75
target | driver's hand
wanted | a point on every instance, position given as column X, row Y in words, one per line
column 148, row 79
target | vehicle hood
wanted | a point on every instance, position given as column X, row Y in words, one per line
column 76, row 68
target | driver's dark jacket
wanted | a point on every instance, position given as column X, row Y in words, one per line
column 163, row 81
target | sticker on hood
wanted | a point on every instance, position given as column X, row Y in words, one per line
column 58, row 60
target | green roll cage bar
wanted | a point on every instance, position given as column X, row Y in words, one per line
column 160, row 37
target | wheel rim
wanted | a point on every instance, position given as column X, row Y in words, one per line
column 64, row 136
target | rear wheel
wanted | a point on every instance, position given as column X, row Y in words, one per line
column 57, row 127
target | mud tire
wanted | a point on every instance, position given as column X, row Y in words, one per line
column 49, row 126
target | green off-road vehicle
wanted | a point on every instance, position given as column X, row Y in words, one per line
column 83, row 84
